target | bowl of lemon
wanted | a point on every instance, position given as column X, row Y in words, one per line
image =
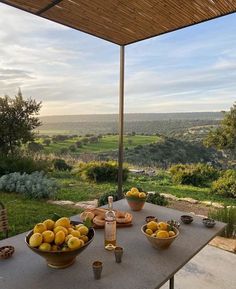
column 59, row 242
column 160, row 234
column 136, row 199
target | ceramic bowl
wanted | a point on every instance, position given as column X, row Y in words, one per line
column 209, row 223
column 150, row 218
column 61, row 259
column 186, row 219
column 136, row 204
column 160, row 243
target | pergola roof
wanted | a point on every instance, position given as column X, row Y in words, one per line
column 126, row 21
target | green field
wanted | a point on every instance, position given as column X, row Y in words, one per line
column 106, row 143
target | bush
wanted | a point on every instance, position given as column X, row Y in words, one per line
column 101, row 171
column 228, row 216
column 157, row 199
column 103, row 199
column 225, row 185
column 11, row 164
column 33, row 186
column 195, row 174
column 61, row 165
column 35, row 147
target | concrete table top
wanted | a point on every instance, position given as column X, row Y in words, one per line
column 142, row 267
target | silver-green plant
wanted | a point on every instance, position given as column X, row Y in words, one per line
column 33, row 186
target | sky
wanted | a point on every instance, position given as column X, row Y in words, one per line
column 193, row 69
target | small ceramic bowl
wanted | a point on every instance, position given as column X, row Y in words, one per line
column 209, row 223
column 6, row 252
column 174, row 223
column 186, row 219
column 150, row 218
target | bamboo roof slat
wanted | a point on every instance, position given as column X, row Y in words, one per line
column 126, row 21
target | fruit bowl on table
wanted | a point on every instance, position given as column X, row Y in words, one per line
column 135, row 199
column 160, row 243
column 61, row 259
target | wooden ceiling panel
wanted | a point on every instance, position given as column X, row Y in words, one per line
column 126, row 21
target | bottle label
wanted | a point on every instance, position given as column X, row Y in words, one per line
column 110, row 231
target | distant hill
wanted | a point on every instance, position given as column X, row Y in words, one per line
column 132, row 117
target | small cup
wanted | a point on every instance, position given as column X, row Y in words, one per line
column 97, row 269
column 118, row 254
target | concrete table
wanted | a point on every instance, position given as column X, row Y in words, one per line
column 142, row 267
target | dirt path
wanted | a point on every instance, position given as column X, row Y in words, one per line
column 198, row 209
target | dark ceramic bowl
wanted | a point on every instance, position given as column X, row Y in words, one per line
column 186, row 219
column 150, row 218
column 61, row 259
column 209, row 223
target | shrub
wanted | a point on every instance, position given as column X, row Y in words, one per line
column 225, row 185
column 157, row 199
column 35, row 147
column 64, row 151
column 101, row 171
column 33, row 186
column 226, row 215
column 72, row 148
column 10, row 164
column 103, row 199
column 194, row 174
column 61, row 165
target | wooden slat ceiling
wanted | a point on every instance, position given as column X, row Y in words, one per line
column 126, row 21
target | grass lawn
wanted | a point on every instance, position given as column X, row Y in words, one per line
column 23, row 214
column 106, row 143
column 75, row 189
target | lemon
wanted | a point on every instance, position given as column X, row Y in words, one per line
column 153, row 235
column 64, row 222
column 68, row 237
column 59, row 238
column 76, row 233
column 82, row 242
column 49, row 224
column 74, row 243
column 162, row 234
column 48, row 236
column 162, row 226
column 35, row 240
column 142, row 195
column 83, row 230
column 152, row 225
column 65, row 249
column 70, row 230
column 84, row 238
column 134, row 190
column 128, row 194
column 78, row 226
column 60, row 228
column 149, row 232
column 39, row 228
column 171, row 233
column 45, row 247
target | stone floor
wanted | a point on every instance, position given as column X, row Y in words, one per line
column 211, row 268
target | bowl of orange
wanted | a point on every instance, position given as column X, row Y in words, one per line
column 60, row 242
column 136, row 199
column 160, row 234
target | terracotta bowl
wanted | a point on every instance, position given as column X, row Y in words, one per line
column 160, row 243
column 135, row 203
column 61, row 259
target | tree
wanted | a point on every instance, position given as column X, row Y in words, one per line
column 224, row 137
column 17, row 121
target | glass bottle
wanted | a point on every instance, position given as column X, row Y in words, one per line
column 110, row 226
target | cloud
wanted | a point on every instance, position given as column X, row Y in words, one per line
column 190, row 70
